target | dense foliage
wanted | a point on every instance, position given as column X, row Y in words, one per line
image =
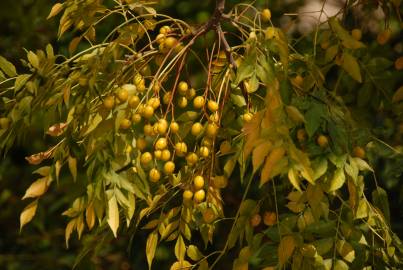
column 230, row 142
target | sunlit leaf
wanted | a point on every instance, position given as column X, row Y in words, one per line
column 113, row 215
column 28, row 213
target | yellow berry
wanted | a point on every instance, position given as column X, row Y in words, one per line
column 148, row 130
column 169, row 167
column 255, row 220
column 141, row 87
column 322, row 141
column 270, row 32
column 191, row 93
column 161, row 144
column 269, row 218
column 204, row 151
column 141, row 144
column 122, row 94
column 158, row 154
column 174, row 127
column 247, row 117
column 182, row 102
column 199, row 102
column 187, row 195
column 192, row 158
column 383, row 36
column 162, row 126
column 212, row 105
column 211, row 130
column 356, row 34
column 298, row 80
column 138, row 79
column 165, row 29
column 167, row 97
column 399, row 63
column 109, row 102
column 181, row 148
column 199, row 196
column 146, row 158
column 266, row 15
column 183, row 87
column 160, row 38
column 154, row 102
column 136, row 118
column 170, row 42
column 196, row 129
column 125, row 123
column 148, row 111
column 134, row 101
column 154, row 175
column 198, row 182
column 301, row 135
column 166, row 155
column 359, row 152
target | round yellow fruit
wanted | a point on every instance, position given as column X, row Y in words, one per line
column 160, row 38
column 162, row 126
column 134, row 101
column 154, row 175
column 148, row 111
column 182, row 102
column 170, row 42
column 383, row 36
column 208, row 215
column 141, row 87
column 199, row 196
column 109, row 102
column 399, row 63
column 138, row 79
column 136, row 118
column 167, row 97
column 270, row 32
column 196, row 129
column 158, row 154
column 214, row 117
column 298, row 80
column 187, row 195
column 191, row 93
column 181, row 148
column 125, row 123
column 198, row 182
column 266, row 15
column 359, row 152
column 174, row 126
column 146, row 158
column 199, row 102
column 165, row 30
column 141, row 144
column 148, row 130
column 169, row 167
column 212, row 105
column 192, row 158
column 269, row 218
column 211, row 130
column 204, row 151
column 122, row 94
column 154, row 102
column 322, row 141
column 255, row 220
column 166, row 155
column 301, row 135
column 356, row 34
column 247, row 117
column 183, row 87
column 161, row 144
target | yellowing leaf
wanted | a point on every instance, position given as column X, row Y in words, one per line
column 271, row 161
column 33, row 59
column 259, row 154
column 294, row 180
column 113, row 215
column 55, row 10
column 73, row 167
column 337, row 180
column 295, row 115
column 285, row 249
column 58, row 166
column 69, row 229
column 90, row 216
column 37, row 188
column 194, row 253
column 28, row 213
column 151, row 246
column 7, row 67
column 398, row 95
column 180, row 249
column 350, row 65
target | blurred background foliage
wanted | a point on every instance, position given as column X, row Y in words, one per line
column 41, row 245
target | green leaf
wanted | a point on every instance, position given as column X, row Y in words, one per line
column 238, row 100
column 351, row 66
column 21, row 81
column 331, row 53
column 313, row 118
column 347, row 40
column 7, row 67
column 380, row 200
column 72, row 162
column 94, row 122
column 187, row 116
column 33, row 59
column 151, row 246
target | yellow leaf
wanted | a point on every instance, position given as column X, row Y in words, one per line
column 69, row 229
column 90, row 216
column 151, row 246
column 259, row 154
column 274, row 157
column 285, row 249
column 180, row 249
column 295, row 115
column 37, row 188
column 338, row 180
column 351, row 66
column 113, row 215
column 73, row 167
column 294, row 180
column 33, row 59
column 28, row 213
column 398, row 95
column 58, row 166
column 55, row 10
column 80, row 225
